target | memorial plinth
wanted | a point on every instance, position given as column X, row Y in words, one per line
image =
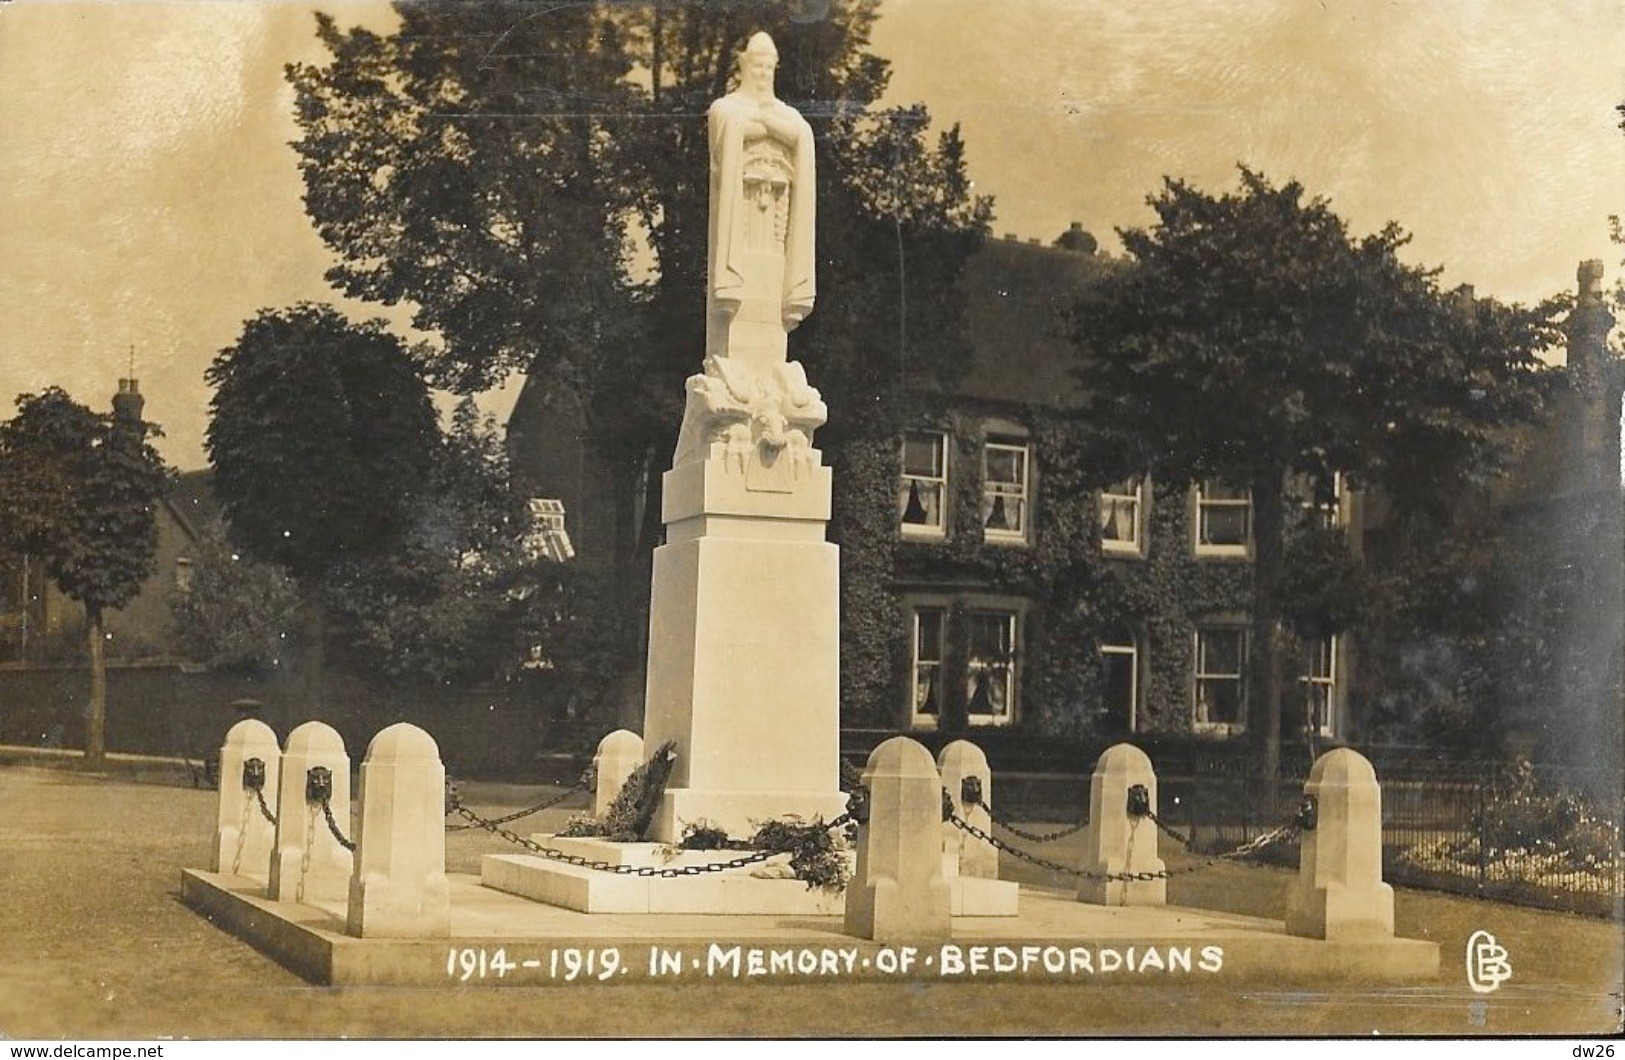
column 744, row 646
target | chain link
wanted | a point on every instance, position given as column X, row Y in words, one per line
column 242, row 837
column 546, row 804
column 265, row 811
column 333, row 826
column 1167, row 830
column 1244, row 850
column 496, row 829
column 1034, row 837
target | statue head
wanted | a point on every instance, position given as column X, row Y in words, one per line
column 756, row 65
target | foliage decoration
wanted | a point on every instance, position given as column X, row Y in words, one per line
column 633, row 809
column 814, row 856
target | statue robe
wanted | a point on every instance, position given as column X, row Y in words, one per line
column 729, row 119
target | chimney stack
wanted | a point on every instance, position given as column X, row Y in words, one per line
column 1588, row 323
column 128, row 402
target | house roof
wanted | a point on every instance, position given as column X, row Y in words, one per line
column 1016, row 298
column 192, row 502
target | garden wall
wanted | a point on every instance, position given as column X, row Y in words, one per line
column 494, row 732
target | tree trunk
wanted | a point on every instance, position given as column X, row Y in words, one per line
column 1266, row 648
column 96, row 718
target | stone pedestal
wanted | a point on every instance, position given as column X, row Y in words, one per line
column 308, row 863
column 975, row 857
column 399, row 887
column 619, row 754
column 743, row 642
column 1339, row 894
column 243, row 837
column 1117, row 841
column 899, row 892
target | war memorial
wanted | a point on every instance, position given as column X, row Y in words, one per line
column 741, row 739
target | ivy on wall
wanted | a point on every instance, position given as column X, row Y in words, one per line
column 1069, row 595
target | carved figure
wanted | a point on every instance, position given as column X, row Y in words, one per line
column 750, row 397
column 762, row 181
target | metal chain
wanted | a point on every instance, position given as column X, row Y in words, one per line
column 333, row 826
column 1033, row 837
column 265, row 811
column 242, row 838
column 1167, row 830
column 545, row 804
column 304, row 858
column 475, row 820
column 1126, row 877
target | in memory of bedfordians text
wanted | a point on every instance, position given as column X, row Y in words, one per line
column 725, row 961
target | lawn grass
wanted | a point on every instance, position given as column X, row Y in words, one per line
column 95, row 943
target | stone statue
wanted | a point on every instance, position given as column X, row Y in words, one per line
column 761, row 234
column 759, row 276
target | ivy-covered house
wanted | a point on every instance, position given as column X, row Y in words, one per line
column 1003, row 592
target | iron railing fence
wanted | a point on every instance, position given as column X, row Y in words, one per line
column 1542, row 835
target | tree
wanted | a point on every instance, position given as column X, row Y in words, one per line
column 1254, row 341
column 322, row 438
column 237, row 613
column 80, row 490
column 445, row 605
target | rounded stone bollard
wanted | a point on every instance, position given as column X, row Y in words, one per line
column 618, row 755
column 244, row 838
column 1339, row 894
column 399, row 888
column 898, row 891
column 961, row 761
column 308, row 863
column 1117, row 841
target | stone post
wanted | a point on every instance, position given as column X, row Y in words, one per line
column 959, row 761
column 243, row 837
column 1117, row 841
column 308, row 863
column 399, row 888
column 1339, row 894
column 618, row 755
column 898, row 891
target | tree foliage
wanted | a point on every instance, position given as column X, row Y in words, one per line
column 80, row 491
column 1253, row 340
column 322, row 438
column 237, row 613
column 1254, row 335
column 446, row 604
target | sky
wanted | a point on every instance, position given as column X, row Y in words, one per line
column 148, row 197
